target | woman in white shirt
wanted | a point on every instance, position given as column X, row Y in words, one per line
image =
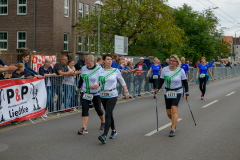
column 108, row 81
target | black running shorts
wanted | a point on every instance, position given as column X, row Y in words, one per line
column 173, row 101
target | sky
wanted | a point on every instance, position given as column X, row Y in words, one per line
column 228, row 12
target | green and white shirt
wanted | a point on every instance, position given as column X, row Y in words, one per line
column 108, row 80
column 89, row 77
column 173, row 79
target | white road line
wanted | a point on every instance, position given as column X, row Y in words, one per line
column 209, row 104
column 161, row 128
column 230, row 94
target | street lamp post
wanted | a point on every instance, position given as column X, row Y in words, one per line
column 235, row 43
column 98, row 3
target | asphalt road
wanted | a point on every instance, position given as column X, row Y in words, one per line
column 216, row 136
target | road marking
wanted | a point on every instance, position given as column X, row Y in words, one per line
column 230, row 94
column 209, row 104
column 161, row 128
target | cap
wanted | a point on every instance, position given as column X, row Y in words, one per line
column 146, row 55
column 141, row 58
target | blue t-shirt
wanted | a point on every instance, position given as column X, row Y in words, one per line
column 203, row 69
column 211, row 64
column 114, row 65
column 185, row 67
column 155, row 69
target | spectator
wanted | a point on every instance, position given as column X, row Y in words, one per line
column 221, row 65
column 121, row 69
column 122, row 63
column 185, row 67
column 47, row 71
column 228, row 64
column 68, row 85
column 129, row 76
column 78, row 66
column 60, row 68
column 147, row 62
column 138, row 79
column 114, row 60
column 69, row 54
column 165, row 63
column 25, row 59
column 197, row 63
column 99, row 62
column 190, row 64
column 2, row 63
column 8, row 68
column 1, row 75
column 20, row 72
column 211, row 63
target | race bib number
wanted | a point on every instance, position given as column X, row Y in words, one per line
column 155, row 76
column 88, row 96
column 171, row 94
column 202, row 75
column 106, row 94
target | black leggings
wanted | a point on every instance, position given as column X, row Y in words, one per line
column 108, row 105
column 202, row 84
column 155, row 82
column 97, row 105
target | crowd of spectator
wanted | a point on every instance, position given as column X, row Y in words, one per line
column 61, row 79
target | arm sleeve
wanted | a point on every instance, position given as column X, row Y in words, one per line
column 121, row 80
column 2, row 63
column 30, row 70
column 80, row 82
column 185, row 85
column 160, row 83
column 41, row 72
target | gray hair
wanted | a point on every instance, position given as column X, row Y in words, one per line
column 183, row 58
column 47, row 60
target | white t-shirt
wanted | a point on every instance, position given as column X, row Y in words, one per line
column 69, row 80
column 108, row 80
column 89, row 77
column 173, row 79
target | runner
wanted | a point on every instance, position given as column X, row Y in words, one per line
column 203, row 77
column 108, row 80
column 175, row 79
column 89, row 74
column 185, row 67
column 156, row 68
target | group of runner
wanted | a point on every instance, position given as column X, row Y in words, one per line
column 99, row 86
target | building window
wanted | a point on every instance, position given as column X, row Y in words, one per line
column 66, row 8
column 3, row 41
column 93, row 9
column 21, row 39
column 22, row 7
column 87, row 11
column 65, row 42
column 87, row 44
column 92, row 46
column 80, row 44
column 80, row 9
column 3, row 7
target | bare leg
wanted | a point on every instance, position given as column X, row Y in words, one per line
column 84, row 122
column 174, row 116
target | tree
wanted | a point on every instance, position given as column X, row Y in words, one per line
column 148, row 24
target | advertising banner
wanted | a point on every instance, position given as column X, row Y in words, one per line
column 38, row 61
column 22, row 99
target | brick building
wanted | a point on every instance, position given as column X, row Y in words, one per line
column 55, row 23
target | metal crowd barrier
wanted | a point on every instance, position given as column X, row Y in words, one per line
column 62, row 96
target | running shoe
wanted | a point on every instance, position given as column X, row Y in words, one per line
column 82, row 131
column 172, row 133
column 102, row 138
column 113, row 135
column 102, row 126
column 202, row 98
column 139, row 95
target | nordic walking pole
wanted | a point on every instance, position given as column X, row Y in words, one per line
column 156, row 112
column 191, row 113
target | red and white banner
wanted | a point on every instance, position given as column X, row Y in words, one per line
column 22, row 99
column 128, row 59
column 39, row 60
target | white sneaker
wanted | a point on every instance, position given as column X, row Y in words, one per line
column 45, row 116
